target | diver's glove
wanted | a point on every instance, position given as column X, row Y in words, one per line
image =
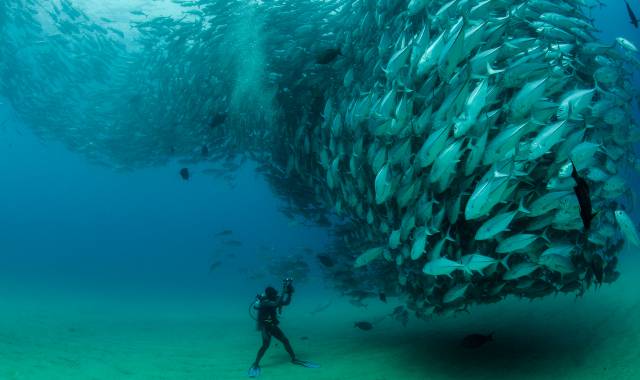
column 289, row 288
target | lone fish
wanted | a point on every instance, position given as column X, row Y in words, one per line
column 363, row 325
column 325, row 260
column 632, row 16
column 327, row 56
column 584, row 199
column 184, row 173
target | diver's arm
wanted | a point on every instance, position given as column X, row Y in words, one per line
column 285, row 299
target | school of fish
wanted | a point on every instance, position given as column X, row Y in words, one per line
column 460, row 151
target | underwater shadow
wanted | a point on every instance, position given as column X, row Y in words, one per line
column 533, row 349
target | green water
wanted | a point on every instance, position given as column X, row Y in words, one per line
column 52, row 334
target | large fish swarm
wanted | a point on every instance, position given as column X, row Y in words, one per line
column 442, row 134
column 450, row 143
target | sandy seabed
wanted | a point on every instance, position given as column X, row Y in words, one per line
column 56, row 335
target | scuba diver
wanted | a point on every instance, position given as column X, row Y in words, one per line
column 267, row 323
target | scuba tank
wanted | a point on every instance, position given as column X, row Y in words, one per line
column 259, row 297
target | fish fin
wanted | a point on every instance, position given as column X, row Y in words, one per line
column 492, row 71
column 569, row 110
column 448, row 235
column 519, row 173
column 478, row 77
column 597, row 86
column 527, row 181
column 521, row 207
column 505, row 262
column 574, row 172
column 545, row 237
column 538, row 122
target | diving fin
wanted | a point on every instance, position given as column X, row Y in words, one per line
column 254, row 371
column 305, row 363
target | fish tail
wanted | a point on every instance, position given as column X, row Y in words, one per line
column 505, row 262
column 545, row 237
column 448, row 236
column 492, row 71
column 521, row 207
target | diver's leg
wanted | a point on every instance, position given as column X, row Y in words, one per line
column 266, row 340
column 278, row 334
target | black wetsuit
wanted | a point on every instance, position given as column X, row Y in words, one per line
column 268, row 324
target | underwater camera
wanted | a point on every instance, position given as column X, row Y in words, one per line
column 287, row 285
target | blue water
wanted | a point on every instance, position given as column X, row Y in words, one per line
column 72, row 225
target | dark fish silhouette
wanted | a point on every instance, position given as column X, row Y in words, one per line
column 224, row 233
column 383, row 297
column 327, row 56
column 304, row 338
column 476, row 340
column 325, row 260
column 363, row 325
column 584, row 199
column 218, row 119
column 184, row 173
column 321, row 308
column 215, row 266
column 632, row 16
column 359, row 294
column 205, row 151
